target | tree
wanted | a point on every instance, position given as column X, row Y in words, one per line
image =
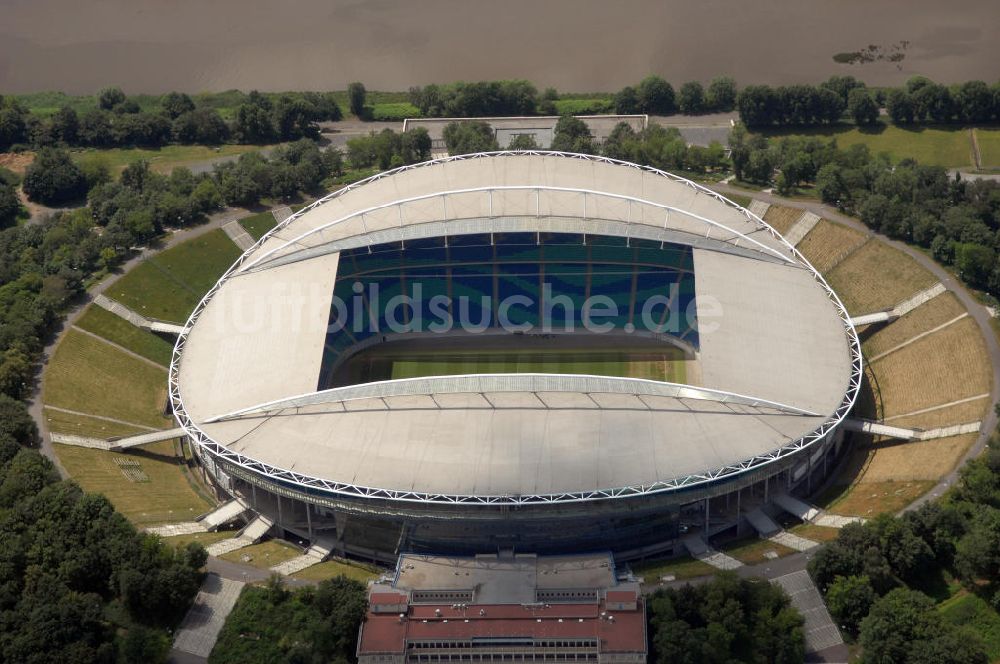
column 95, row 128
column 975, row 263
column 523, row 142
column 691, row 99
column 253, row 124
column 203, row 126
column 862, row 107
column 10, row 205
column 974, row 101
column 722, row 94
column 655, row 96
column 53, row 178
column 757, row 106
column 904, row 625
column 547, row 105
column 356, row 99
column 66, row 125
column 110, row 98
column 849, row 599
column 176, row 104
column 16, row 422
column 899, row 105
column 572, row 135
column 626, row 101
column 843, row 86
column 468, row 137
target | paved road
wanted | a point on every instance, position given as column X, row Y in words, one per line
column 976, row 310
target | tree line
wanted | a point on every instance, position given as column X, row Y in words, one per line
column 78, row 583
column 118, row 121
column 879, row 577
column 957, row 220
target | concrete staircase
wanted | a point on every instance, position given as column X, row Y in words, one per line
column 252, row 534
column 316, row 553
column 223, row 514
column 700, row 550
column 801, row 228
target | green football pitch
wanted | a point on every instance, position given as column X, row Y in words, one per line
column 663, row 366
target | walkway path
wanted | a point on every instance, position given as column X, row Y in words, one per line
column 200, row 628
column 951, row 283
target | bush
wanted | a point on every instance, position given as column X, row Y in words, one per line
column 396, row 112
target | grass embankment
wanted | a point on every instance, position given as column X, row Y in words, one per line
column 941, row 145
column 259, row 224
column 828, row 243
column 169, row 285
column 117, row 330
column 782, row 218
column 264, row 555
column 90, row 376
column 205, row 539
column 813, row 532
column 755, row 551
column 974, row 612
column 680, row 568
column 334, row 568
column 989, row 148
column 88, row 427
column 164, row 159
column 166, row 496
column 877, row 277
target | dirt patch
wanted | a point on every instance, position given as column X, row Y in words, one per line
column 16, row 161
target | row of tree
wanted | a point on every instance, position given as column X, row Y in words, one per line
column 957, row 220
column 118, row 121
column 78, row 583
column 877, row 576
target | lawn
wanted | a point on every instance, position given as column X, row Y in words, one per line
column 913, row 460
column 938, row 145
column 334, row 568
column 782, row 218
column 960, row 413
column 927, row 316
column 752, row 551
column 109, row 326
column 815, row 533
column 167, row 497
column 162, row 160
column 169, row 285
column 89, row 427
column 680, row 568
column 939, row 368
column 827, row 243
column 972, row 611
column 869, row 499
column 264, row 555
column 877, row 277
column 989, row 147
column 90, row 376
column 259, row 224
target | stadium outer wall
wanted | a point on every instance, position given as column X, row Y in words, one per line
column 377, row 525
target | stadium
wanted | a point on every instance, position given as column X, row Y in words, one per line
column 535, row 351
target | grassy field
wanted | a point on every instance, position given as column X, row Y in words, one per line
column 264, row 555
column 828, row 242
column 167, row 497
column 258, row 225
column 782, row 218
column 942, row 367
column 169, row 285
column 814, row 532
column 941, row 145
column 989, row 147
column 752, row 551
column 162, row 160
column 115, row 329
column 90, row 376
column 679, row 568
column 972, row 611
column 869, row 499
column 913, row 460
column 877, row 277
column 970, row 411
column 89, row 427
column 333, row 568
column 927, row 316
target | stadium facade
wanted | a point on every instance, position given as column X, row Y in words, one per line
column 618, row 356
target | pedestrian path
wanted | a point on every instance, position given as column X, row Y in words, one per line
column 820, row 631
column 174, row 529
column 281, row 213
column 700, row 550
column 200, row 628
column 314, row 555
column 758, row 207
column 798, row 231
column 238, row 234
